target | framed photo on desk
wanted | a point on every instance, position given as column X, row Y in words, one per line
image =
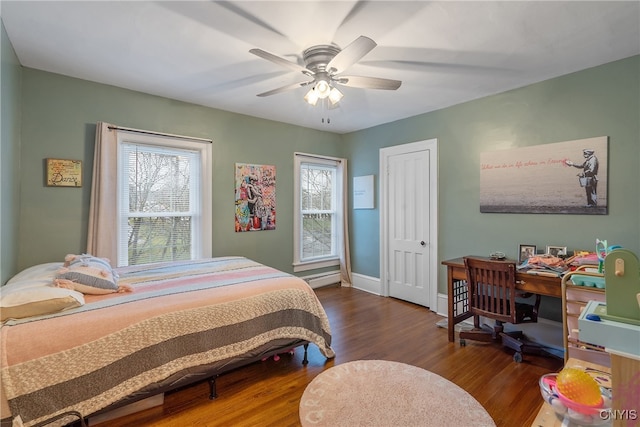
column 557, row 251
column 525, row 252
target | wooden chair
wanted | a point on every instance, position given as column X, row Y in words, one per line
column 492, row 294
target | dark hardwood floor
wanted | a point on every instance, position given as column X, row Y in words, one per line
column 364, row 326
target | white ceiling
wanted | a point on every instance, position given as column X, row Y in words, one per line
column 444, row 52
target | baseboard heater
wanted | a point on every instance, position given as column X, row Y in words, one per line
column 322, row 279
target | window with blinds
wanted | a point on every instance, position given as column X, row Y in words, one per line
column 317, row 207
column 318, row 204
column 161, row 201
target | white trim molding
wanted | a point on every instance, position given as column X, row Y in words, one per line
column 367, row 283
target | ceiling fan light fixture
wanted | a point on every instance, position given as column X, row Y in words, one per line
column 311, row 97
column 323, row 88
column 325, row 64
column 335, row 96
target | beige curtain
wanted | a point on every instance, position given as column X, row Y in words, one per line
column 345, row 258
column 101, row 239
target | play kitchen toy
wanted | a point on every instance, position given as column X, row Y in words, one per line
column 615, row 325
column 622, row 278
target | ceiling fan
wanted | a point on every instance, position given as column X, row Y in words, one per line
column 325, row 65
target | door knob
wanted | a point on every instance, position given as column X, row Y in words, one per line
column 422, row 243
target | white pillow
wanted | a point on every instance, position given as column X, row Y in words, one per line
column 36, row 301
column 42, row 274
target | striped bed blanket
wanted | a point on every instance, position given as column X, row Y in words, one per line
column 180, row 315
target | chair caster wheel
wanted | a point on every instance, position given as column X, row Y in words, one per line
column 517, row 357
column 463, row 343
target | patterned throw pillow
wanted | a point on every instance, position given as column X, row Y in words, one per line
column 87, row 274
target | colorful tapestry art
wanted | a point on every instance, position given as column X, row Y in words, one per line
column 255, row 195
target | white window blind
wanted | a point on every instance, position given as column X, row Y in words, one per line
column 161, row 203
column 318, row 217
column 317, row 207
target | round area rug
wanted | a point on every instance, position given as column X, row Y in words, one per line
column 384, row 393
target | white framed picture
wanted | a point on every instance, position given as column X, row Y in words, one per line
column 363, row 192
column 557, row 251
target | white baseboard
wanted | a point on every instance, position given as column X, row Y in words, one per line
column 441, row 307
column 373, row 285
column 443, row 310
column 367, row 283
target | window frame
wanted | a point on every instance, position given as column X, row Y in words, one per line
column 300, row 264
column 202, row 224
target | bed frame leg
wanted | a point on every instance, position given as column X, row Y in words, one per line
column 212, row 387
column 304, row 358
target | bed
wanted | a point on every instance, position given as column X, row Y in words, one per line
column 180, row 323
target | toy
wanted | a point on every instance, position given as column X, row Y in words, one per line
column 571, row 411
column 601, row 251
column 622, row 274
column 276, row 357
column 578, row 386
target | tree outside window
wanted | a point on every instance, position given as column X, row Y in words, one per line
column 161, row 204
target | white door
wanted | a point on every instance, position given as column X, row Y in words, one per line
column 409, row 228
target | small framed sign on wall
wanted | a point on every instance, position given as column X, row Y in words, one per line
column 63, row 173
column 363, row 192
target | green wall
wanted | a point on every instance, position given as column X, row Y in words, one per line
column 10, row 84
column 601, row 101
column 59, row 115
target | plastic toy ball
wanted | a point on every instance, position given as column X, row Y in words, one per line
column 579, row 387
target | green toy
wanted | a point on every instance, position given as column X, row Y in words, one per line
column 622, row 277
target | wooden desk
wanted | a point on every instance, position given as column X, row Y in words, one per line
column 458, row 306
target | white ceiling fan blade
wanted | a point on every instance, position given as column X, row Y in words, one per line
column 280, row 61
column 368, row 82
column 284, row 89
column 351, row 54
